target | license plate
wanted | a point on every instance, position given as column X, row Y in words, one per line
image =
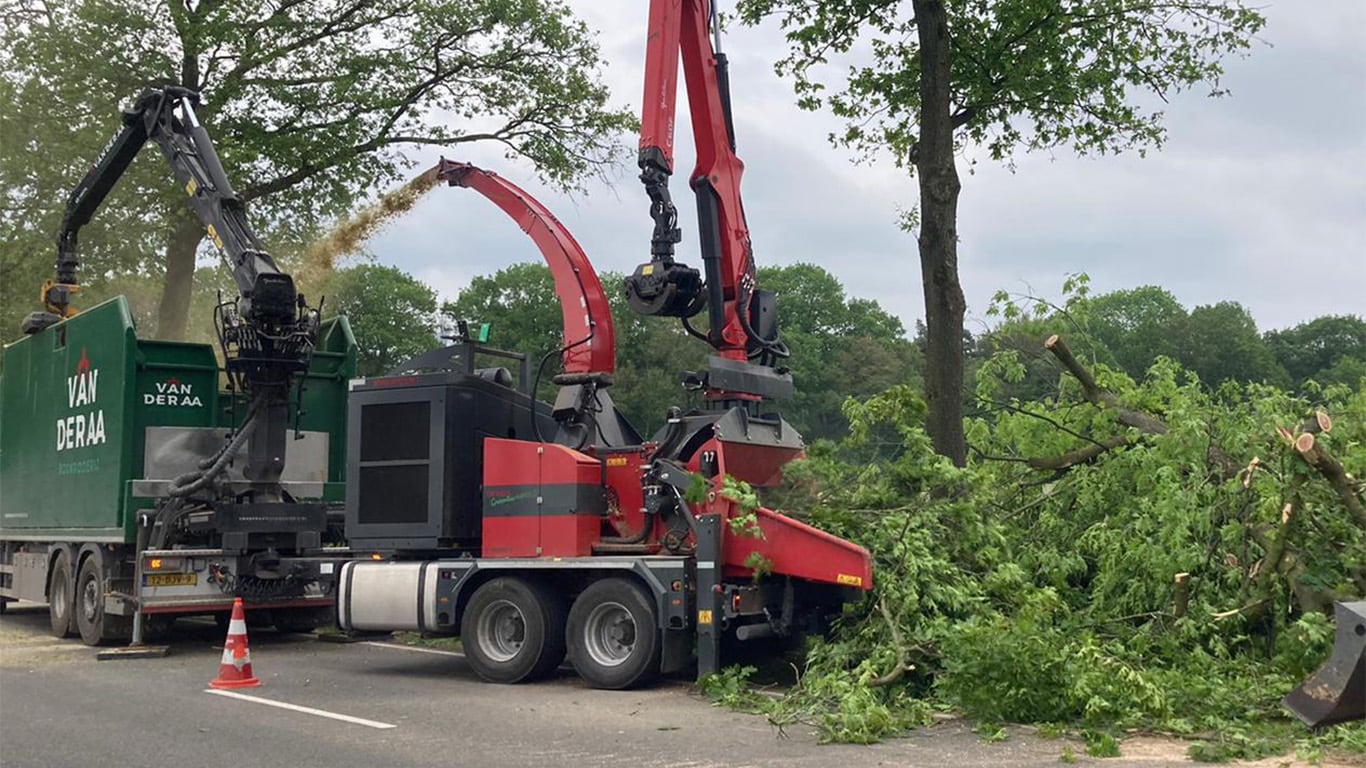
column 170, row 579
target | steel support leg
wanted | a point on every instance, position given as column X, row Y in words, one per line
column 708, row 594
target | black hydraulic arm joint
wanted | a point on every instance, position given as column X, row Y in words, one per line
column 654, row 174
column 663, row 286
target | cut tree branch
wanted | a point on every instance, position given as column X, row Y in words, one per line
column 1098, row 395
column 1225, row 466
column 1319, row 458
column 903, row 663
column 1082, row 455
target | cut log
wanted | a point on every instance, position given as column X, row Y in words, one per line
column 1319, row 458
column 1320, row 423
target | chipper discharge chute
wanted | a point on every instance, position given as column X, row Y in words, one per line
column 1336, row 693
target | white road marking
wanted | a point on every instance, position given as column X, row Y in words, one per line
column 305, row 710
column 413, row 648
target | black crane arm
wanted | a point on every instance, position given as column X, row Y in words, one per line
column 166, row 116
column 267, row 333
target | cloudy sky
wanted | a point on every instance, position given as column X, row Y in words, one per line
column 1258, row 198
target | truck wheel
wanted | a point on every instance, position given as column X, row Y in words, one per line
column 614, row 635
column 512, row 631
column 96, row 628
column 60, row 595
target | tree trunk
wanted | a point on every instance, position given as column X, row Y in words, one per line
column 181, row 247
column 939, row 186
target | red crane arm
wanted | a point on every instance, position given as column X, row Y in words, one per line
column 680, row 29
column 588, row 336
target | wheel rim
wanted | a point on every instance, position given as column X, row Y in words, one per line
column 610, row 634
column 90, row 597
column 501, row 631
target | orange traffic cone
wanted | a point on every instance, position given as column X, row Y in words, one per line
column 235, row 669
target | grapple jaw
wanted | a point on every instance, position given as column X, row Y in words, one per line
column 1336, row 693
column 665, row 288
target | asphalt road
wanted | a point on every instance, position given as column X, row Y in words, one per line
column 61, row 707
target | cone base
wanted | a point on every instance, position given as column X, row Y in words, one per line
column 250, row 682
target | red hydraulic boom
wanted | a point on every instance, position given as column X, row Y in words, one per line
column 743, row 321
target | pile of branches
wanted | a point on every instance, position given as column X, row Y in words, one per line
column 1119, row 554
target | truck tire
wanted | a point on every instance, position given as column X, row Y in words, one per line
column 61, row 593
column 512, row 631
column 95, row 626
column 613, row 635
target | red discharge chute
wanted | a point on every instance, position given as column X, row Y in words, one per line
column 589, row 343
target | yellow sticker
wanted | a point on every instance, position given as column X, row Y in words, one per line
column 704, row 617
column 647, row 269
column 853, row 581
column 213, row 233
column 616, row 461
column 191, row 187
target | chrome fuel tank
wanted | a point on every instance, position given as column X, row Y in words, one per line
column 384, row 596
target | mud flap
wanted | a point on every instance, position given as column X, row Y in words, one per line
column 1336, row 693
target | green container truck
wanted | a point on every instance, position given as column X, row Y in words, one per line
column 94, row 425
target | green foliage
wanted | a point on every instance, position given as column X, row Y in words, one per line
column 922, row 80
column 991, row 733
column 522, row 311
column 1329, row 349
column 762, row 566
column 1033, row 595
column 744, row 520
column 1222, row 344
column 841, row 347
column 697, row 490
column 391, row 313
column 1130, row 330
column 1101, row 745
column 731, row 688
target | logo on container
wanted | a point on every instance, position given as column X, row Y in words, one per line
column 172, row 392
column 85, row 427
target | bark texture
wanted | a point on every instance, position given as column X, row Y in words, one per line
column 173, row 314
column 181, row 247
column 939, row 186
column 1332, row 470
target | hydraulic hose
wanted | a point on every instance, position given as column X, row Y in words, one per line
column 193, row 482
column 647, row 525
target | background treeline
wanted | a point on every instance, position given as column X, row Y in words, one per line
column 843, row 346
